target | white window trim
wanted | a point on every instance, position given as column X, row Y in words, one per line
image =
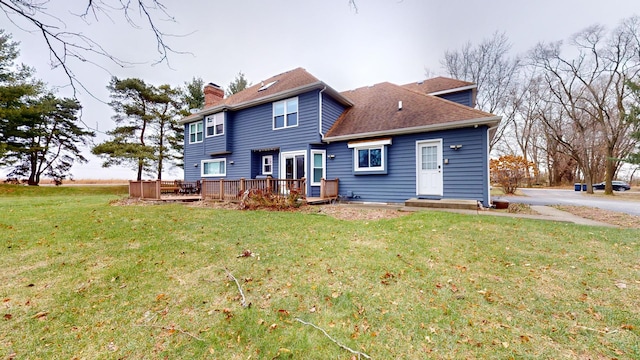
column 224, row 160
column 284, row 155
column 216, row 117
column 367, row 145
column 273, row 114
column 196, row 138
column 264, row 172
column 324, row 166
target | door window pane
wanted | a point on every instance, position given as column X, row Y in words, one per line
column 429, row 158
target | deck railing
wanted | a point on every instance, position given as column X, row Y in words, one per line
column 233, row 190
column 228, row 190
column 153, row 189
column 329, row 189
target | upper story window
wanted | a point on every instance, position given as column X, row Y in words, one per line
column 195, row 132
column 285, row 113
column 215, row 124
column 369, row 156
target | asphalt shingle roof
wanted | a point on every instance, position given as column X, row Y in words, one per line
column 286, row 81
column 437, row 84
column 376, row 110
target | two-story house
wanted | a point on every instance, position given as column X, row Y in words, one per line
column 386, row 143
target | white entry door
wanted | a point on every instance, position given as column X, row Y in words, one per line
column 429, row 167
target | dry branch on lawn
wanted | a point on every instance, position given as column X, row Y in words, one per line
column 243, row 301
column 170, row 328
column 334, row 340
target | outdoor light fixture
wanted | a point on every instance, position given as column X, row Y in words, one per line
column 195, row 165
column 231, row 162
column 455, row 147
column 331, row 156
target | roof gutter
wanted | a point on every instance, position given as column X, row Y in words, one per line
column 277, row 96
column 489, row 121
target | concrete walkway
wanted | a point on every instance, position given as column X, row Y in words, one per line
column 545, row 213
column 566, row 216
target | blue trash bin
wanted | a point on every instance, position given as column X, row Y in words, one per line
column 584, row 187
column 577, row 187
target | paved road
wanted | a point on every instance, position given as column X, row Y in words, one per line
column 577, row 198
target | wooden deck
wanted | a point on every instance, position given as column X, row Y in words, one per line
column 318, row 200
column 229, row 190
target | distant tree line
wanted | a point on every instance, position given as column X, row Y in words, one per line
column 569, row 107
column 41, row 134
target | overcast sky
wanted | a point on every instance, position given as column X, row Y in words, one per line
column 385, row 40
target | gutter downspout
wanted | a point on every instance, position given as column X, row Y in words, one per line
column 320, row 113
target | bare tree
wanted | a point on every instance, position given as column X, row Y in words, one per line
column 590, row 91
column 491, row 68
column 69, row 46
column 525, row 133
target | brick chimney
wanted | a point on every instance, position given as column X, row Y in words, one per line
column 213, row 94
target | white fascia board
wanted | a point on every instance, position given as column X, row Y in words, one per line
column 267, row 99
column 490, row 121
column 463, row 88
column 369, row 143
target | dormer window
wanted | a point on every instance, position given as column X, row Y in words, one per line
column 285, row 113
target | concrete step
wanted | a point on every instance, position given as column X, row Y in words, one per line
column 443, row 204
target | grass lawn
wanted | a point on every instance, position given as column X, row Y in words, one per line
column 84, row 279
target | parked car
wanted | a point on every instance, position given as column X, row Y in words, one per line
column 617, row 186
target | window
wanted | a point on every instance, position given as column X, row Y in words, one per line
column 267, row 165
column 370, row 156
column 285, row 113
column 215, row 124
column 318, row 166
column 195, row 132
column 216, row 167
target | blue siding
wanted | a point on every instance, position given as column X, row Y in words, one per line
column 465, row 177
column 331, row 110
column 252, row 129
column 249, row 135
column 462, row 97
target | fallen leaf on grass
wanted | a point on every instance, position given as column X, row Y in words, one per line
column 246, row 253
column 621, row 285
column 8, row 316
column 40, row 315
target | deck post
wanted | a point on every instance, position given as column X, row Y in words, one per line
column 158, row 191
column 268, row 184
column 322, row 188
column 221, row 190
column 242, row 185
